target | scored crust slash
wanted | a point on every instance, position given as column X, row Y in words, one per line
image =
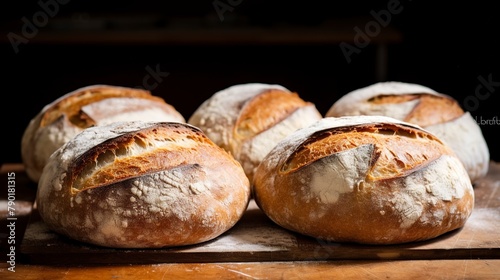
column 75, row 111
column 438, row 113
column 359, row 174
column 248, row 120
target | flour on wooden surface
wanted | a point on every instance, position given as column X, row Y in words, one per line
column 251, row 239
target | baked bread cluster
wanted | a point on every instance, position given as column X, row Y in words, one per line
column 248, row 120
column 75, row 111
column 436, row 112
column 118, row 167
column 364, row 179
column 142, row 185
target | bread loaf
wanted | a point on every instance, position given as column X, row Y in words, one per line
column 68, row 115
column 247, row 120
column 436, row 112
column 364, row 179
column 142, row 185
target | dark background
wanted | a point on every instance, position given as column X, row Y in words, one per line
column 447, row 47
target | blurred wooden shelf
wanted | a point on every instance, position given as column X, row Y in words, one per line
column 334, row 32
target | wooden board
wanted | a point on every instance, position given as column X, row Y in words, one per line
column 256, row 238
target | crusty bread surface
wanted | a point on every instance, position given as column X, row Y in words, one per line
column 88, row 106
column 247, row 120
column 436, row 112
column 364, row 179
column 142, row 185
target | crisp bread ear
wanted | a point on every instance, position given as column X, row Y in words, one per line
column 404, row 139
column 437, row 112
column 82, row 108
column 151, row 148
column 255, row 118
column 345, row 171
column 248, row 120
column 70, row 106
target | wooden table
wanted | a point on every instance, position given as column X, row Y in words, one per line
column 254, row 249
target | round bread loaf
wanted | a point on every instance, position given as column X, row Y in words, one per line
column 142, row 185
column 436, row 112
column 247, row 120
column 68, row 115
column 364, row 179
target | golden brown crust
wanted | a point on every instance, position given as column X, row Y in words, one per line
column 71, row 106
column 364, row 179
column 247, row 120
column 265, row 110
column 430, row 109
column 439, row 113
column 83, row 174
column 142, row 185
column 415, row 148
column 93, row 105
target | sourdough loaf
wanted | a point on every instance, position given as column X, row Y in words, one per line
column 88, row 106
column 364, row 179
column 247, row 120
column 142, row 185
column 436, row 112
